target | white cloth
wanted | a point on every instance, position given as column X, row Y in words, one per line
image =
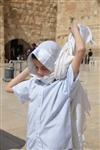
column 67, row 52
column 79, row 108
column 47, row 53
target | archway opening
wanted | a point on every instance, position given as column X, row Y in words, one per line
column 16, row 49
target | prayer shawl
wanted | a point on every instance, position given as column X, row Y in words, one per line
column 67, row 53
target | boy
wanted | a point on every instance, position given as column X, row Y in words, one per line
column 50, row 125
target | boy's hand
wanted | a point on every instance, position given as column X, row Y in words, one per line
column 74, row 27
column 19, row 78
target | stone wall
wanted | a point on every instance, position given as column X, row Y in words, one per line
column 31, row 20
column 87, row 12
column 38, row 20
column 1, row 31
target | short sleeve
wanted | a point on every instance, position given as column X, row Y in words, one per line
column 70, row 80
column 21, row 90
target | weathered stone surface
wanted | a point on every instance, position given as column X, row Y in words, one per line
column 87, row 12
column 1, row 32
column 31, row 19
column 37, row 20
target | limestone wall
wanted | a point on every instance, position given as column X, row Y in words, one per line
column 38, row 20
column 87, row 12
column 31, row 20
column 1, row 31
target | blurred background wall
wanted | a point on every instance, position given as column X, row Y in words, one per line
column 32, row 21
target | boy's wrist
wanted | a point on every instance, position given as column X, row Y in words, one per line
column 76, row 32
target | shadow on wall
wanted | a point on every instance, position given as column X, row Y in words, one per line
column 8, row 141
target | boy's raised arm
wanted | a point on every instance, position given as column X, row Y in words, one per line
column 79, row 49
column 19, row 78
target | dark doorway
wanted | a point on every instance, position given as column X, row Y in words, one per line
column 16, row 49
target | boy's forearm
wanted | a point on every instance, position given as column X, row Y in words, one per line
column 79, row 50
column 19, row 78
column 80, row 45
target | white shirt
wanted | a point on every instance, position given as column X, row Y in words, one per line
column 49, row 118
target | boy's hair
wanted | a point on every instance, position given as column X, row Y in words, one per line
column 33, row 56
